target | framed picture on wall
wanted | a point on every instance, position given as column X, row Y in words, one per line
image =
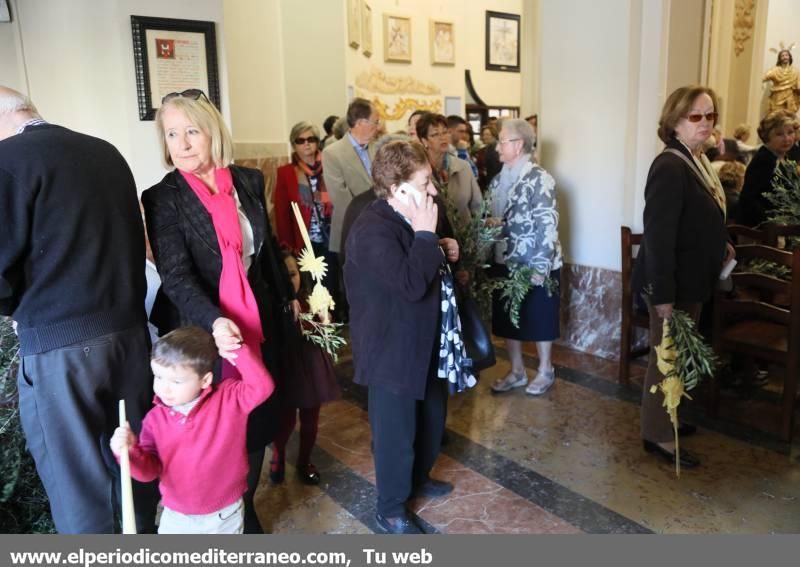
column 366, row 29
column 354, row 23
column 443, row 43
column 502, row 42
column 173, row 56
column 5, row 11
column 396, row 38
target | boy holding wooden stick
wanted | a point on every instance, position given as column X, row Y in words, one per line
column 193, row 440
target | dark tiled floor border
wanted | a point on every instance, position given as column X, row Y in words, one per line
column 583, row 513
column 350, row 491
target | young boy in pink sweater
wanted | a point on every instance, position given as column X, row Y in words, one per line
column 193, row 440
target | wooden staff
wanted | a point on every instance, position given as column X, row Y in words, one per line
column 128, row 515
column 302, row 226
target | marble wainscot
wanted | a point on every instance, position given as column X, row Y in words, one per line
column 267, row 158
column 591, row 310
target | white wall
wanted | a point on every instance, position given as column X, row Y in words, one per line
column 287, row 63
column 314, row 58
column 686, row 25
column 531, row 51
column 258, row 98
column 586, row 109
column 79, row 62
column 649, row 94
column 12, row 72
column 496, row 88
column 599, row 116
column 290, row 61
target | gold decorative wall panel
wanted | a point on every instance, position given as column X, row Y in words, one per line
column 743, row 23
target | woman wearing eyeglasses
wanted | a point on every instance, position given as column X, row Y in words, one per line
column 524, row 203
column 777, row 131
column 220, row 267
column 302, row 182
column 452, row 176
column 684, row 246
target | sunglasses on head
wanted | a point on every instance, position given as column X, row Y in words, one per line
column 711, row 117
column 194, row 94
column 309, row 140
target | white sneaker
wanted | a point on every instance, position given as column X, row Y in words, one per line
column 510, row 382
column 542, row 383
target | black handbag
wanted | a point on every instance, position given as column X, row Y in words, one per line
column 477, row 338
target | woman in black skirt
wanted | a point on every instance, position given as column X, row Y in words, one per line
column 524, row 203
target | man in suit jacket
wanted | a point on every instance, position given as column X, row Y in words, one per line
column 72, row 277
column 347, row 163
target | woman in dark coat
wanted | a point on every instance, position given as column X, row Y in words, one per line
column 392, row 276
column 684, row 245
column 777, row 131
column 186, row 244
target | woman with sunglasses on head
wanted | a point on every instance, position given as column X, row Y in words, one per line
column 220, row 267
column 302, row 182
column 684, row 246
column 777, row 131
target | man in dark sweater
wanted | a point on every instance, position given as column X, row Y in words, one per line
column 72, row 277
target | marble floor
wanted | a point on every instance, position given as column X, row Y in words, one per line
column 568, row 462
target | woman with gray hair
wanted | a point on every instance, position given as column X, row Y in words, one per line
column 524, row 204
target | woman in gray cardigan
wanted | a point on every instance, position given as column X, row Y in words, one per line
column 524, row 203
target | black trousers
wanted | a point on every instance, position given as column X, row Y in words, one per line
column 655, row 423
column 406, row 437
column 68, row 400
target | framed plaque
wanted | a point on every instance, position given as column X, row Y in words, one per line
column 172, row 56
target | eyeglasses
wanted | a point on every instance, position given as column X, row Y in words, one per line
column 309, row 140
column 438, row 133
column 502, row 142
column 710, row 116
column 193, row 94
column 375, row 123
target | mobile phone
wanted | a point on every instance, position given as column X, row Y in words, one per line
column 405, row 190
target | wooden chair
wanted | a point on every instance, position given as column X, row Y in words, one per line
column 630, row 318
column 746, row 235
column 768, row 233
column 762, row 322
column 775, row 231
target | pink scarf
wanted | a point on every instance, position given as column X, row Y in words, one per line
column 236, row 299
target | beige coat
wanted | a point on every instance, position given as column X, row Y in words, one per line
column 345, row 177
column 462, row 187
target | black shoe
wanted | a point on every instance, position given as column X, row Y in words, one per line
column 686, row 429
column 433, row 488
column 688, row 461
column 277, row 472
column 397, row 525
column 308, row 475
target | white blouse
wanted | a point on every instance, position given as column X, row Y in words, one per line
column 248, row 243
